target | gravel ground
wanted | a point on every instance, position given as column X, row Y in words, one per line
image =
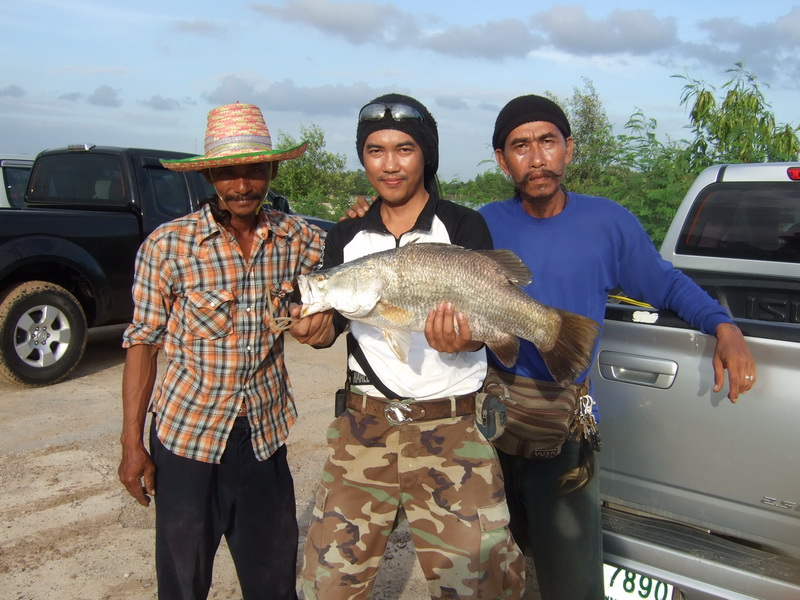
column 71, row 531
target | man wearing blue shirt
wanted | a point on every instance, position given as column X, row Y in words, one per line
column 578, row 249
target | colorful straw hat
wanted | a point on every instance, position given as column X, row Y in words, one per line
column 236, row 134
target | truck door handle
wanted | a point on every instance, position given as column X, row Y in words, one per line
column 636, row 369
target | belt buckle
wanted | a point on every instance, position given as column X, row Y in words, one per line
column 397, row 413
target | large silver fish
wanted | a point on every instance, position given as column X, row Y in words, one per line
column 394, row 291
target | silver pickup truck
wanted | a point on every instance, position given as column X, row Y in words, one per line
column 701, row 496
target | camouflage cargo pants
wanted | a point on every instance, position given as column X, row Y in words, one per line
column 447, row 479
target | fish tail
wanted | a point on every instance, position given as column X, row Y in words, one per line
column 572, row 352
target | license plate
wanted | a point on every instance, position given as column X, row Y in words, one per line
column 624, row 584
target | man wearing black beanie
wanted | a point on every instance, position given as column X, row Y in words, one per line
column 578, row 248
column 441, row 472
column 528, row 109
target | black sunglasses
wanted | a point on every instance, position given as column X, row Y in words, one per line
column 399, row 112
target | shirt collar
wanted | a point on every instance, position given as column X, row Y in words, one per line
column 268, row 221
column 424, row 220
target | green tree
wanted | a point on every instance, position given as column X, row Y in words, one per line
column 596, row 149
column 361, row 185
column 487, row 187
column 653, row 175
column 636, row 169
column 739, row 127
column 316, row 182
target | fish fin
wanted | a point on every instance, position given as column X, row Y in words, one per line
column 399, row 342
column 572, row 352
column 506, row 350
column 510, row 265
column 395, row 314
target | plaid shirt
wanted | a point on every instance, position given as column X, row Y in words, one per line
column 198, row 299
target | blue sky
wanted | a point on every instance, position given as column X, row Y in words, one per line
column 146, row 73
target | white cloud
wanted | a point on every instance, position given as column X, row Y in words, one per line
column 767, row 48
column 451, row 103
column 356, row 22
column 12, row 91
column 286, row 95
column 570, row 28
column 200, row 27
column 70, row 96
column 158, row 102
column 496, row 40
column 788, row 26
column 106, row 96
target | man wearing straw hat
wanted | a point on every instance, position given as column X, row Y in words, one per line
column 211, row 290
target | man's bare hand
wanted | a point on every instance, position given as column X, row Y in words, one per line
column 449, row 332
column 733, row 354
column 314, row 330
column 359, row 208
column 138, row 473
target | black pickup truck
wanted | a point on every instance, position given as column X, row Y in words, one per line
column 67, row 257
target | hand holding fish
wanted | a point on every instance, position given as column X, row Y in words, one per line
column 314, row 330
column 449, row 332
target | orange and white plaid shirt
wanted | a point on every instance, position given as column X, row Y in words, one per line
column 197, row 298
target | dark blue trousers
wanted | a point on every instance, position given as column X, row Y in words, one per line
column 250, row 502
column 562, row 532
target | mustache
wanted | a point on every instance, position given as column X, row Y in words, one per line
column 540, row 173
column 249, row 196
column 385, row 177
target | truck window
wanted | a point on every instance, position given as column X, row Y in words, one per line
column 169, row 190
column 93, row 180
column 741, row 220
column 16, row 179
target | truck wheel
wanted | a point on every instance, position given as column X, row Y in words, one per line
column 42, row 333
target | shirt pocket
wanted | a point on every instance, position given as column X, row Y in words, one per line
column 208, row 313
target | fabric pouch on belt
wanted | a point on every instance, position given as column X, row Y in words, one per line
column 490, row 415
column 540, row 414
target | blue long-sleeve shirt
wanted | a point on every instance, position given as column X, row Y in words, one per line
column 581, row 254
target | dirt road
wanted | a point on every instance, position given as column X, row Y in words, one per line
column 69, row 529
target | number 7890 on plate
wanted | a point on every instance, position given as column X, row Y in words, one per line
column 623, row 584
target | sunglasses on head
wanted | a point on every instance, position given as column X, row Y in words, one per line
column 399, row 112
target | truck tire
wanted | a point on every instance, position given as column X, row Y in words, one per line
column 43, row 333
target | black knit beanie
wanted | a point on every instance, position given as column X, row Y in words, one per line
column 425, row 134
column 527, row 109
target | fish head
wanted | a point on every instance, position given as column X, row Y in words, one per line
column 351, row 296
column 313, row 294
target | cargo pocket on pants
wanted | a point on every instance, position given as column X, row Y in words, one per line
column 501, row 559
column 311, row 552
column 494, row 516
column 317, row 514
